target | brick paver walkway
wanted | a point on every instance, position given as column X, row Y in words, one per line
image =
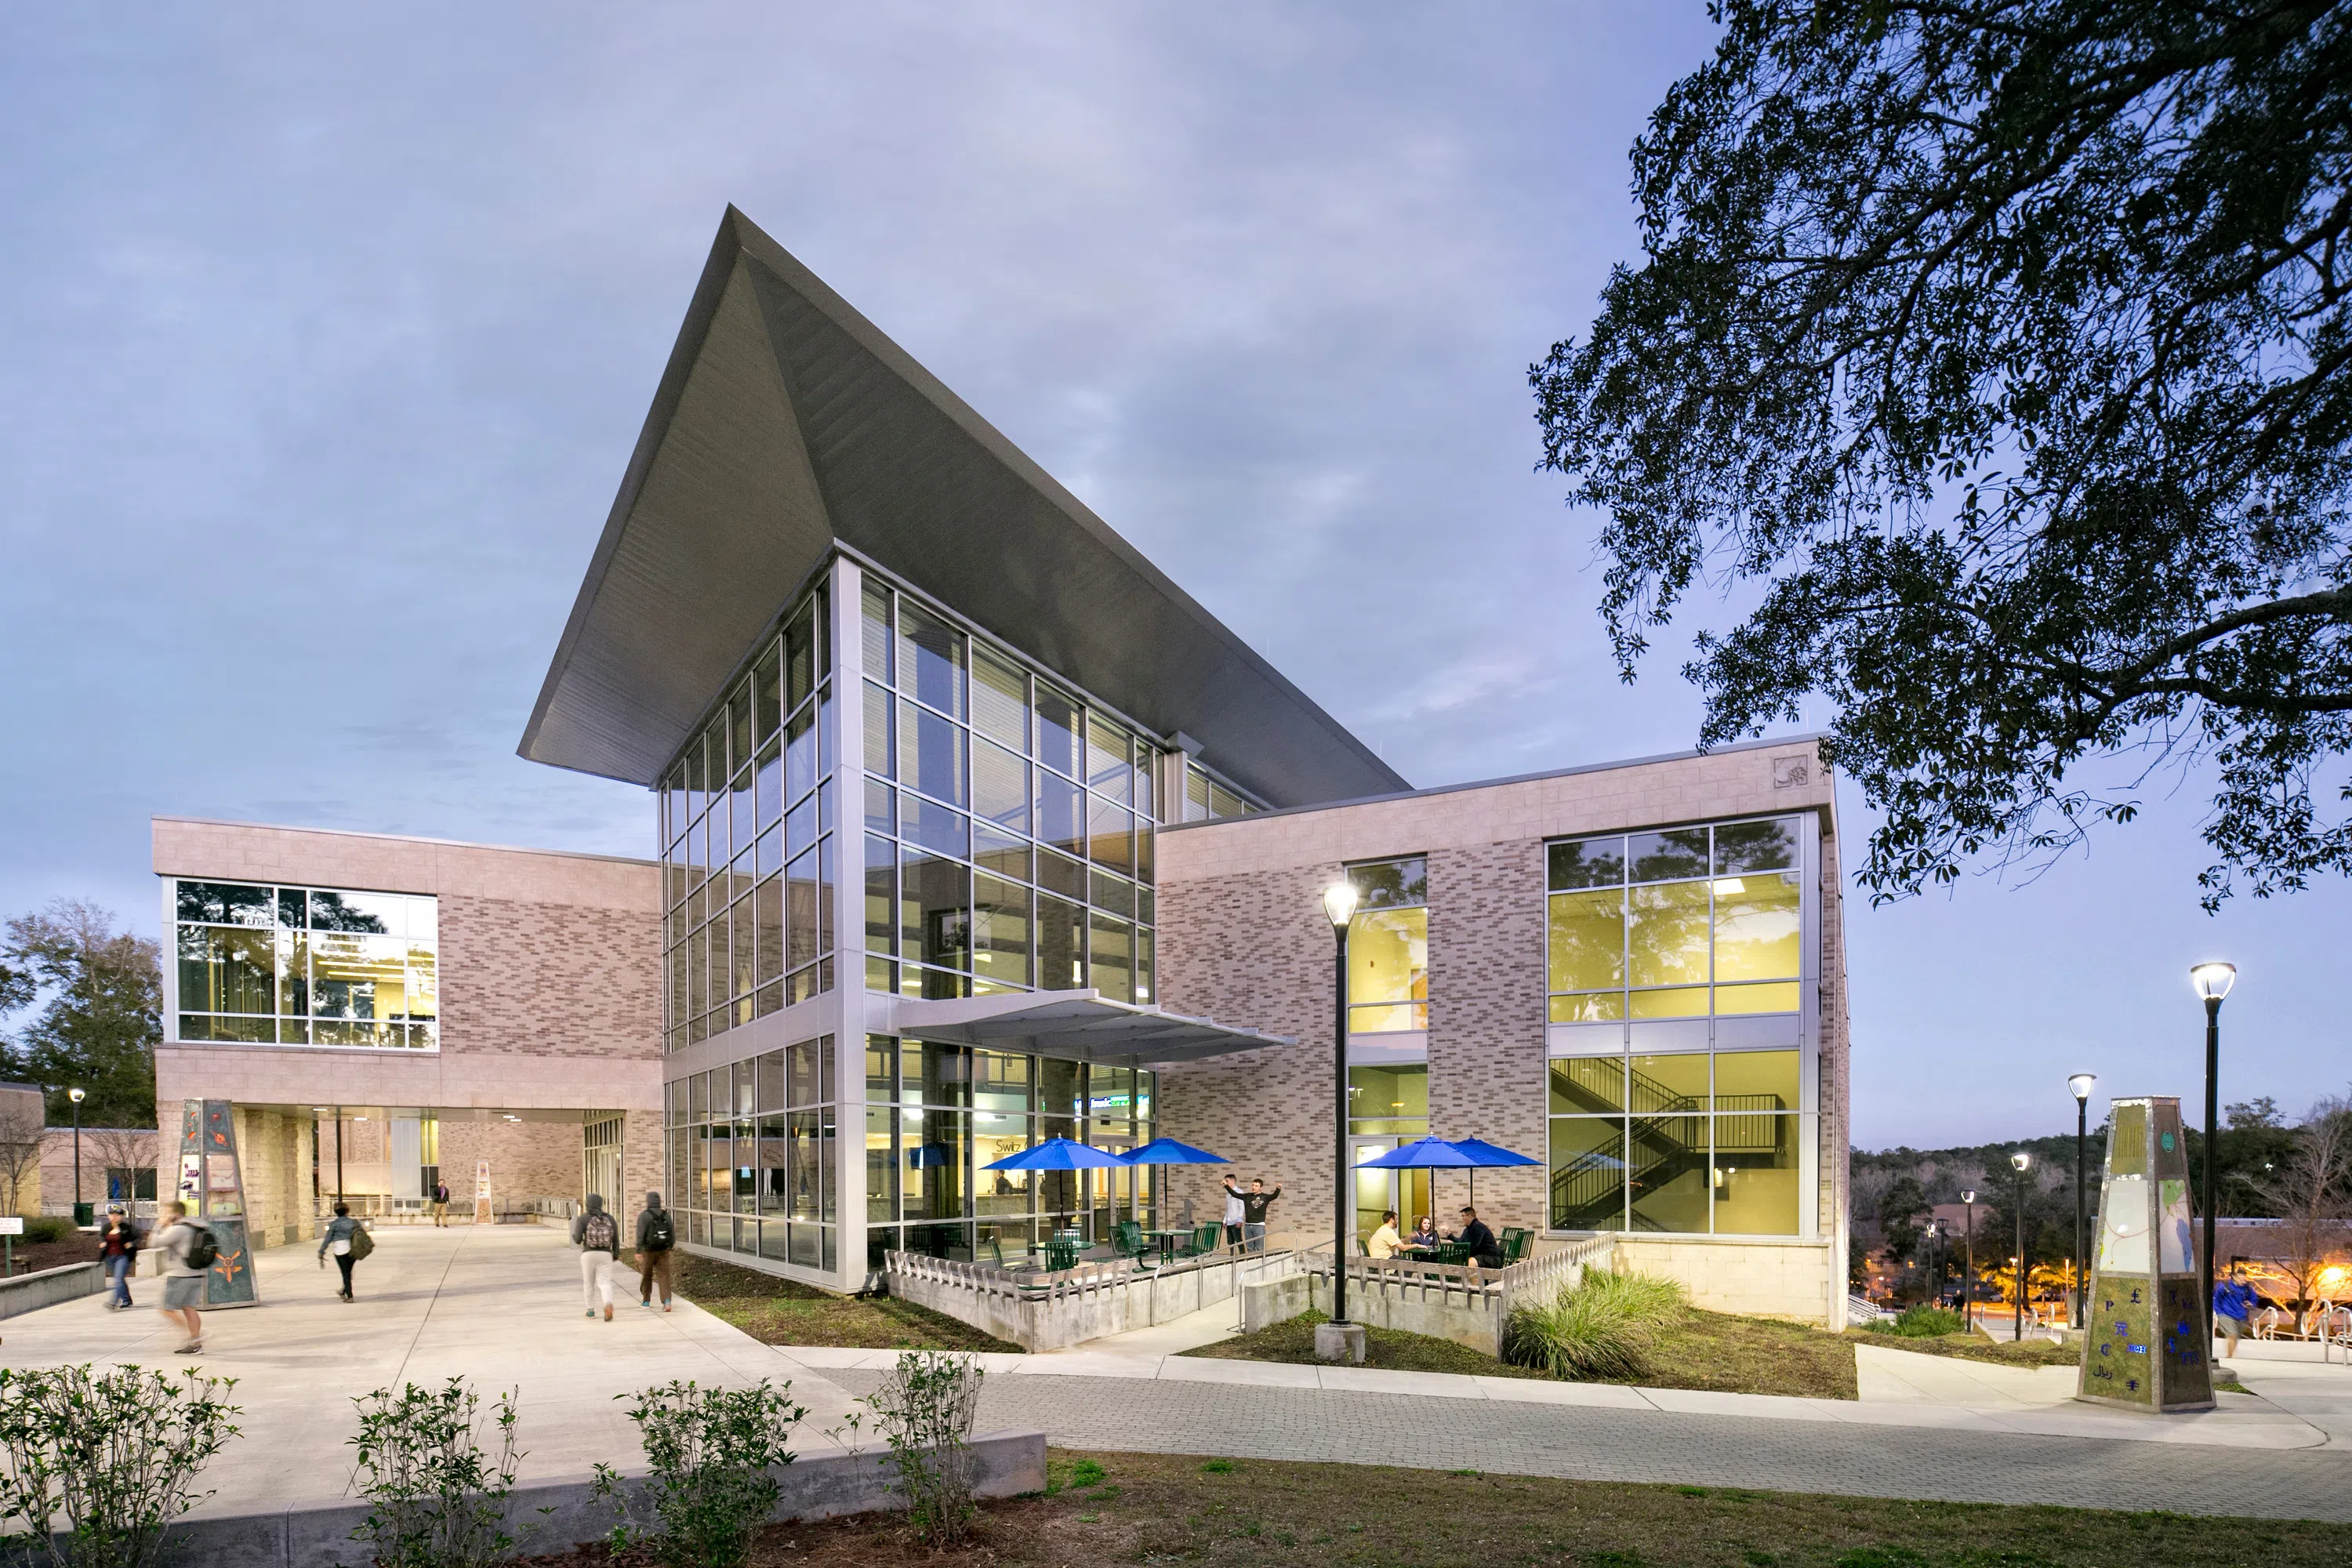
column 1584, row 1442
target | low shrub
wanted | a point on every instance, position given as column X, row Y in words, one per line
column 927, row 1409
column 47, row 1227
column 1920, row 1323
column 436, row 1498
column 711, row 1451
column 1604, row 1326
column 94, row 1465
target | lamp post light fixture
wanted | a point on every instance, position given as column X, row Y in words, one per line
column 1340, row 905
column 1969, row 1280
column 2213, row 980
column 77, row 1096
column 2081, row 1084
column 2018, row 1162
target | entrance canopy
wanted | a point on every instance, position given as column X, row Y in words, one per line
column 1076, row 1025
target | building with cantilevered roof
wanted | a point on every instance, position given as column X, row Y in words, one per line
column 1078, row 895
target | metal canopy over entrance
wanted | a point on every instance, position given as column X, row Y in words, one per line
column 1077, row 1026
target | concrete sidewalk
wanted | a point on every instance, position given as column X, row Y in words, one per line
column 498, row 1305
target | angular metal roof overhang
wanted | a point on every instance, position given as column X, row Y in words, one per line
column 1077, row 1024
column 785, row 425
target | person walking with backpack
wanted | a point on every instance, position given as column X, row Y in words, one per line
column 348, row 1241
column 188, row 1252
column 657, row 1234
column 441, row 1203
column 597, row 1234
column 118, row 1246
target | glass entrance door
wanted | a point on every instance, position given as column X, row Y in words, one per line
column 1375, row 1190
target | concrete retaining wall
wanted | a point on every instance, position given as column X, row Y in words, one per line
column 46, row 1287
column 817, row 1486
column 1048, row 1311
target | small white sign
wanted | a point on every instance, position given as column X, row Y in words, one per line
column 12, row 1226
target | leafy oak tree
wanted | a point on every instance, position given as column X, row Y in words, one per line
column 96, row 999
column 2007, row 344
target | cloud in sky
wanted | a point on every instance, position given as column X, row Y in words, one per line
column 329, row 330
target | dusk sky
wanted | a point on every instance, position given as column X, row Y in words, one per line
column 328, row 332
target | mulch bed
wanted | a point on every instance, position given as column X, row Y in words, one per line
column 78, row 1247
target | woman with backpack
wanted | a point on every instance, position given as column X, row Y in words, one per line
column 348, row 1241
column 597, row 1234
column 657, row 1234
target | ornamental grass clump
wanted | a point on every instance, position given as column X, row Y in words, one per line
column 1920, row 1323
column 94, row 1465
column 436, row 1498
column 1604, row 1327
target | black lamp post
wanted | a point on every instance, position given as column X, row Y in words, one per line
column 77, row 1096
column 2081, row 1084
column 1968, row 1282
column 2213, row 982
column 1340, row 905
column 2019, row 1162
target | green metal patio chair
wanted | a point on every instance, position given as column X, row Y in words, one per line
column 1516, row 1239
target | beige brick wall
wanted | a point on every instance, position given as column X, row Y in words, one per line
column 1793, row 1280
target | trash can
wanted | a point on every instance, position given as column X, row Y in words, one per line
column 85, row 1214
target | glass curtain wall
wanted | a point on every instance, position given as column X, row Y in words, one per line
column 937, row 1115
column 1692, row 923
column 752, row 1156
column 1388, row 947
column 749, row 857
column 1008, row 841
column 1207, row 797
column 263, row 964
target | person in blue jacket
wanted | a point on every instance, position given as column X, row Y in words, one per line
column 2234, row 1301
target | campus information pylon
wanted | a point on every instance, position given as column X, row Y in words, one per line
column 212, row 1184
column 2145, row 1348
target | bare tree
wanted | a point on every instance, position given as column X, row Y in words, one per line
column 20, row 1151
column 126, row 1152
column 2312, row 1190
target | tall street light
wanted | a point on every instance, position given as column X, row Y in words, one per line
column 2212, row 982
column 1339, row 904
column 1969, row 1282
column 2018, row 1162
column 2080, row 1084
column 77, row 1096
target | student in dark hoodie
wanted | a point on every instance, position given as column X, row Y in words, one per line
column 657, row 1234
column 597, row 1234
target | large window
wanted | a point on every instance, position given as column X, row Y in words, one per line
column 1693, row 1143
column 938, row 1115
column 1388, row 947
column 1008, row 841
column 264, row 965
column 1207, row 797
column 1678, row 924
column 748, row 858
column 752, row 1156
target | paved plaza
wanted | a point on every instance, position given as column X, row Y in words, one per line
column 501, row 1306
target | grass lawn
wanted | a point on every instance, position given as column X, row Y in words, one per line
column 1701, row 1350
column 779, row 1312
column 1975, row 1347
column 1161, row 1507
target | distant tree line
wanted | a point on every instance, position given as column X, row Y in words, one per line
column 81, row 1007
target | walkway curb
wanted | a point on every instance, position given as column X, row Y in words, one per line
column 824, row 1486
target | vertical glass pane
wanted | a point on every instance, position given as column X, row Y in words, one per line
column 1000, row 787
column 227, row 969
column 1756, row 927
column 932, row 753
column 881, row 807
column 881, row 895
column 935, row 910
column 1061, row 945
column 1110, row 834
column 1000, row 931
column 881, row 1069
column 1587, row 1086
column 1667, row 1173
column 804, row 1168
column 770, row 1094
column 1146, row 869
column 1667, row 934
column 1588, row 1173
column 1586, row 940
column 799, row 912
column 770, row 791
column 800, row 826
column 738, row 727
column 1116, row 894
column 825, row 877
column 1756, row 1175
column 1061, row 814
column 1147, row 759
column 931, row 658
column 765, row 712
column 999, row 852
column 926, row 825
column 695, row 800
column 1143, row 966
column 800, row 657
column 1000, row 698
column 879, row 752
column 746, row 946
column 1058, row 722
column 1110, row 957
column 1109, row 754
column 743, row 812
column 1196, row 794
column 1388, row 959
column 882, row 1165
column 771, row 909
column 1057, row 875
column 874, row 621
column 800, row 755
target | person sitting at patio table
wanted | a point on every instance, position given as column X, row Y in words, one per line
column 1424, row 1232
column 1483, row 1249
column 1383, row 1242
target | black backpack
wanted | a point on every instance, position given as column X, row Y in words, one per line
column 660, row 1234
column 599, row 1234
column 203, row 1252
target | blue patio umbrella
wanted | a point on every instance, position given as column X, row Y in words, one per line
column 1488, row 1156
column 1420, row 1154
column 1168, row 1152
column 1059, row 1154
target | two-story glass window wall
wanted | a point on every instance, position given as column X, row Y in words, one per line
column 752, row 1156
column 1008, row 824
column 264, row 965
column 938, row 1115
column 1688, row 924
column 749, row 862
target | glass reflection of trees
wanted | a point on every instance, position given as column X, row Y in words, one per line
column 264, row 965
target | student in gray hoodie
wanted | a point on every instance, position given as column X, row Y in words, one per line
column 657, row 1235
